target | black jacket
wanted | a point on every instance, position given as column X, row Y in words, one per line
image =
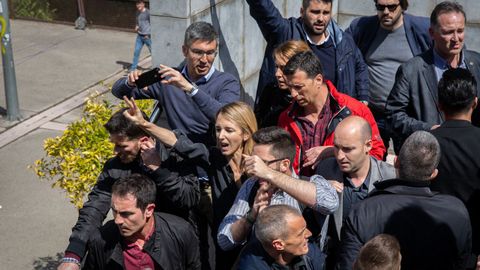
column 459, row 168
column 173, row 246
column 433, row 229
column 177, row 189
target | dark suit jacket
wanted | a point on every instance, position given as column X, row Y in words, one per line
column 413, row 102
column 433, row 229
column 459, row 168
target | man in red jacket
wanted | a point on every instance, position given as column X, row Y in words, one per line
column 317, row 109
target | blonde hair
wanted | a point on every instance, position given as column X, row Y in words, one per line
column 241, row 114
column 289, row 48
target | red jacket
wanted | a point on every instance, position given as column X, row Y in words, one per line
column 347, row 106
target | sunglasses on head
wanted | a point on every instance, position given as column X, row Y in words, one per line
column 390, row 8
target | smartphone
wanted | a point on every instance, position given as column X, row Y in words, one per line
column 148, row 78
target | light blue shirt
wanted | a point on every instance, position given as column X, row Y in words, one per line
column 441, row 65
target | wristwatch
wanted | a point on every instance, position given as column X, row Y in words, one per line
column 193, row 90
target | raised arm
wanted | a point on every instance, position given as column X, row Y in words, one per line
column 269, row 20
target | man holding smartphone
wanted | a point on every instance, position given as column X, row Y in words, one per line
column 192, row 96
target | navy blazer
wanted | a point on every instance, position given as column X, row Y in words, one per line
column 364, row 30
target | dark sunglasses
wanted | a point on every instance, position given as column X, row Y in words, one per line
column 390, row 8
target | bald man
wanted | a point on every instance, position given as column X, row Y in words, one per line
column 352, row 171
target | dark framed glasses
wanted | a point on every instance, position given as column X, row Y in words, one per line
column 273, row 161
column 390, row 8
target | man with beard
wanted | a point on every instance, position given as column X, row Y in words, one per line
column 340, row 57
column 386, row 41
column 176, row 184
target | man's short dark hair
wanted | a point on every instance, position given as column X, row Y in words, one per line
column 457, row 90
column 380, row 253
column 445, row 7
column 200, row 31
column 138, row 185
column 304, row 61
column 282, row 145
column 403, row 4
column 272, row 223
column 306, row 3
column 140, row 2
column 120, row 125
column 419, row 156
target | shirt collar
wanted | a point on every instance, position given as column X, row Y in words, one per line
column 311, row 41
column 204, row 79
column 442, row 63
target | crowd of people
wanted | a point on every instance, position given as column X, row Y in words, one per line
column 299, row 180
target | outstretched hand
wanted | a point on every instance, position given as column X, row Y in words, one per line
column 133, row 114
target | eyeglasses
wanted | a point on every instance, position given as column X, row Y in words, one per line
column 390, row 8
column 273, row 161
column 199, row 53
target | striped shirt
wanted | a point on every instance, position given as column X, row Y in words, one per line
column 326, row 203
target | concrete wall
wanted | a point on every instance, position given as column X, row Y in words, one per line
column 241, row 42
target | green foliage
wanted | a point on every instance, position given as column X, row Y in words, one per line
column 36, row 9
column 74, row 160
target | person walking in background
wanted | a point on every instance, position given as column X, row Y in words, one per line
column 142, row 28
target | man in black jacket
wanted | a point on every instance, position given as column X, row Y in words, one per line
column 433, row 229
column 177, row 189
column 459, row 167
column 138, row 238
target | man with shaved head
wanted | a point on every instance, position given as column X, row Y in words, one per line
column 352, row 171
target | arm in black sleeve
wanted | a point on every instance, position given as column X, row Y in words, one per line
column 180, row 189
column 92, row 214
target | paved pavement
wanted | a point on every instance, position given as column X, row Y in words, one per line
column 56, row 67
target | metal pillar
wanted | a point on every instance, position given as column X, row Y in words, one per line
column 10, row 81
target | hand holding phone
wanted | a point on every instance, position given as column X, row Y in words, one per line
column 148, row 78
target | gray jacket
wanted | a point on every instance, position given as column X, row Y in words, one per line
column 413, row 102
column 379, row 171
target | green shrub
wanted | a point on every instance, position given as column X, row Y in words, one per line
column 74, row 160
column 36, row 9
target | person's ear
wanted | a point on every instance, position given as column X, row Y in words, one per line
column 284, row 165
column 475, row 103
column 184, row 50
column 319, row 79
column 302, row 12
column 368, row 145
column 278, row 245
column 143, row 140
column 434, row 174
column 246, row 136
column 149, row 209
